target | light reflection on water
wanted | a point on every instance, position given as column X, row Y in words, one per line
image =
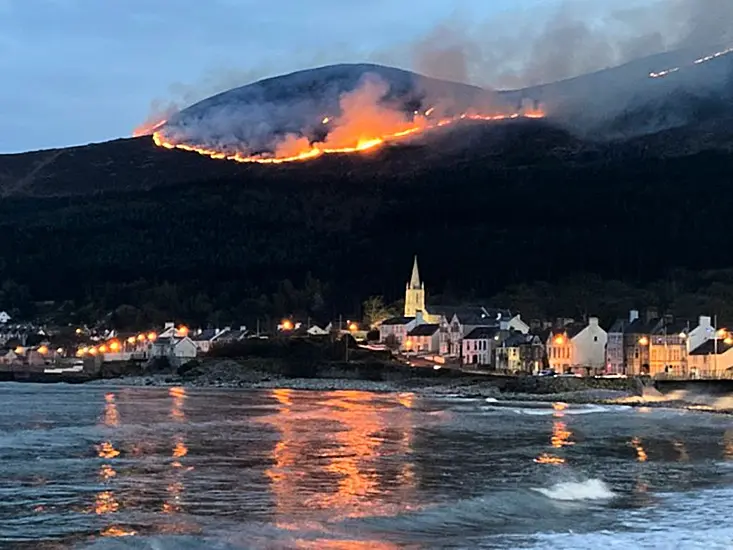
column 289, row 469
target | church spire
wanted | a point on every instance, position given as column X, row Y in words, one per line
column 415, row 279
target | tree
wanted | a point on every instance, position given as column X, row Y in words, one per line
column 375, row 311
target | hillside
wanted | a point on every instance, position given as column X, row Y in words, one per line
column 151, row 233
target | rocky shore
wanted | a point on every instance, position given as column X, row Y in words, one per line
column 385, row 377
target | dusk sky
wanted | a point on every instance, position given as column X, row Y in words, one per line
column 76, row 71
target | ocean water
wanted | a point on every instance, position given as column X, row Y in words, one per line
column 173, row 468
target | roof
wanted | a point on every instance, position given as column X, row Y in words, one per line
column 571, row 330
column 640, row 326
column 709, row 348
column 424, row 330
column 675, row 327
column 482, row 333
column 397, row 321
column 205, row 335
column 619, row 325
column 518, row 339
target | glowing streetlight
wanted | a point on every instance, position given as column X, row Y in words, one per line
column 287, row 325
column 131, row 340
column 152, row 337
column 353, row 327
column 559, row 340
column 114, row 346
column 43, row 350
column 643, row 341
column 103, row 349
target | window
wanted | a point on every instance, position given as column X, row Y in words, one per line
column 595, row 338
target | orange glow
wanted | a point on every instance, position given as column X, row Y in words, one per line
column 131, row 340
column 363, row 126
column 140, row 337
column 643, row 341
column 559, row 340
column 287, row 325
column 353, row 327
column 148, row 128
column 152, row 337
column 92, row 351
column 105, row 503
column 114, row 346
column 43, row 350
column 118, row 531
column 107, row 472
column 111, row 416
column 408, row 344
column 19, row 350
column 179, row 450
column 641, row 455
column 182, row 330
column 349, row 455
column 546, row 458
column 106, row 450
column 103, row 348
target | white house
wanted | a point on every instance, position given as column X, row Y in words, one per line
column 204, row 339
column 396, row 328
column 478, row 346
column 4, row 318
column 177, row 350
column 577, row 346
column 712, row 359
column 703, row 332
column 423, row 339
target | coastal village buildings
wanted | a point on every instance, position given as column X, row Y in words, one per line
column 479, row 346
column 712, row 359
column 521, row 353
column 4, row 318
column 177, row 349
column 578, row 347
column 423, row 339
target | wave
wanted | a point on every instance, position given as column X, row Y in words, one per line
column 543, row 409
column 503, row 512
column 592, row 489
column 680, row 399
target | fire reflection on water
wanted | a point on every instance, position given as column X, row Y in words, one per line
column 359, row 431
column 560, row 435
column 176, row 487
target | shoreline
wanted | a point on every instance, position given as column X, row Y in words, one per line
column 437, row 389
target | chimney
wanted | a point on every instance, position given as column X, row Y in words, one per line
column 169, row 325
column 243, row 328
column 633, row 315
column 593, row 321
column 650, row 314
column 705, row 321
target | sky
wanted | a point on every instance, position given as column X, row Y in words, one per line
column 79, row 71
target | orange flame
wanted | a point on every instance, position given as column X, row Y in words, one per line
column 363, row 125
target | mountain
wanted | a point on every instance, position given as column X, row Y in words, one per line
column 166, row 232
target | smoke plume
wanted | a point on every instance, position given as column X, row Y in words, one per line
column 575, row 38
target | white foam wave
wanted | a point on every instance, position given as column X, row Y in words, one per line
column 573, row 410
column 592, row 489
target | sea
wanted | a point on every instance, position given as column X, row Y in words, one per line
column 104, row 467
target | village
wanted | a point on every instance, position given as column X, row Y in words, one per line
column 475, row 338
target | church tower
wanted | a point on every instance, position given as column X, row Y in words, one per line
column 414, row 293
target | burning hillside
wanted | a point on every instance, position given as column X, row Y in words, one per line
column 341, row 109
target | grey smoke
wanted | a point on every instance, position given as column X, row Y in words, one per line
column 577, row 38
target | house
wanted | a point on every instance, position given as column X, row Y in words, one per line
column 4, row 318
column 204, row 339
column 615, row 358
column 656, row 346
column 577, row 347
column 478, row 346
column 9, row 357
column 395, row 330
column 520, row 353
column 712, row 359
column 423, row 338
column 229, row 336
column 176, row 349
column 703, row 332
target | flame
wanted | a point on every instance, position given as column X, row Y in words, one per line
column 698, row 61
column 148, row 128
column 363, row 125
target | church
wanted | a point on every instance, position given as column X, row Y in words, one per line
column 444, row 326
